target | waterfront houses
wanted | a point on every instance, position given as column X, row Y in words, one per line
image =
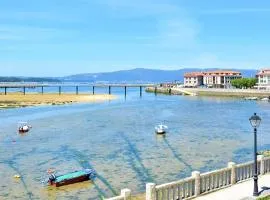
column 263, row 77
column 215, row 79
column 193, row 79
column 220, row 78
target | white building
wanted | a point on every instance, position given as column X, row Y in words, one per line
column 263, row 79
column 220, row 78
column 193, row 79
column 216, row 79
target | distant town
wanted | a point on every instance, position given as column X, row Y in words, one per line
column 226, row 79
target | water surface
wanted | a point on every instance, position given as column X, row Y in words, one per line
column 117, row 139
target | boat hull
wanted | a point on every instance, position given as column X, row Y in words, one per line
column 71, row 181
column 160, row 132
column 23, row 131
column 70, row 178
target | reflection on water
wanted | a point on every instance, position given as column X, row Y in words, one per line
column 118, row 141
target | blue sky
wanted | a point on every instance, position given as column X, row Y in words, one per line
column 63, row 37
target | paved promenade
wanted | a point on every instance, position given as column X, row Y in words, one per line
column 240, row 191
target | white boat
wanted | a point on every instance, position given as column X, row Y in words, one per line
column 251, row 98
column 161, row 129
column 265, row 99
column 23, row 127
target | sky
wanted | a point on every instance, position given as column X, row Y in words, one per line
column 64, row 37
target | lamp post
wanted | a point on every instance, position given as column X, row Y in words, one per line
column 255, row 121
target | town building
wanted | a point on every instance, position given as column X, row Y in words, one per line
column 263, row 77
column 220, row 78
column 193, row 79
column 215, row 79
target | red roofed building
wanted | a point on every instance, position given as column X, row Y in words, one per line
column 193, row 79
column 217, row 78
column 263, row 79
column 220, row 78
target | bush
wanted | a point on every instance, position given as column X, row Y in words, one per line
column 244, row 83
column 264, row 198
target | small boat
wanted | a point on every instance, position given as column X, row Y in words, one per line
column 161, row 129
column 251, row 98
column 265, row 99
column 24, row 127
column 73, row 177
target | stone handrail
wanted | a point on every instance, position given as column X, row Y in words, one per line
column 182, row 188
column 203, row 183
column 207, row 182
column 266, row 165
column 215, row 180
column 125, row 195
column 245, row 171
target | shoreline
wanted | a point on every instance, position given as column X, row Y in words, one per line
column 241, row 93
column 17, row 100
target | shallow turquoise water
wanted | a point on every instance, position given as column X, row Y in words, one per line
column 117, row 139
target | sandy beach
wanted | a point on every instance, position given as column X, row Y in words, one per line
column 17, row 100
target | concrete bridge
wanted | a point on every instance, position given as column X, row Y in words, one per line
column 76, row 86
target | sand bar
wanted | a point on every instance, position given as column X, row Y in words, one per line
column 16, row 100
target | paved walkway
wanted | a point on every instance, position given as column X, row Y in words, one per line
column 241, row 191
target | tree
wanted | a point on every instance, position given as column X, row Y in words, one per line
column 244, row 82
column 252, row 82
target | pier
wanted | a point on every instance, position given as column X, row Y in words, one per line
column 59, row 87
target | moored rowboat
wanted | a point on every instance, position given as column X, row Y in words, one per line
column 23, row 127
column 73, row 177
column 161, row 129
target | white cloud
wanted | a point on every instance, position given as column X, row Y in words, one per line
column 172, row 26
column 19, row 15
column 211, row 60
column 30, row 33
column 180, row 33
column 138, row 8
column 235, row 11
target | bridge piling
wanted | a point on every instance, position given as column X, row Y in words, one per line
column 155, row 90
column 23, row 87
column 59, row 90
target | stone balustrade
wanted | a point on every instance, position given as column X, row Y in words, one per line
column 204, row 183
column 199, row 184
column 125, row 195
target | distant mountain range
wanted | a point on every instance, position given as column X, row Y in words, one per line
column 138, row 75
column 27, row 79
column 141, row 75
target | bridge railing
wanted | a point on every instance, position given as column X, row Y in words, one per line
column 204, row 183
